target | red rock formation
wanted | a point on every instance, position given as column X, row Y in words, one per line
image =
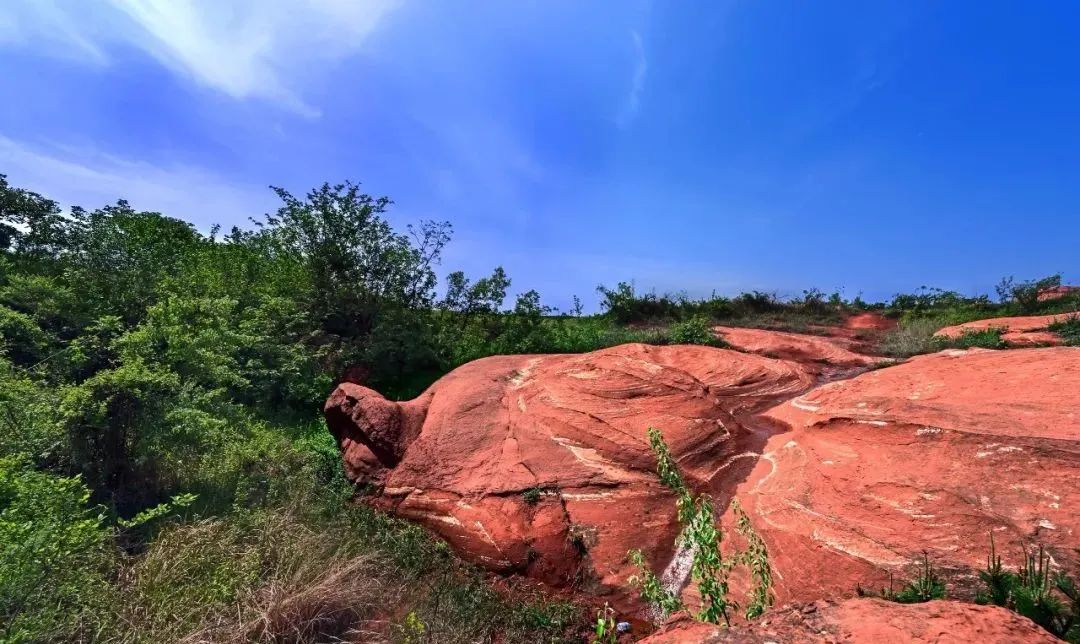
column 1057, row 292
column 1022, row 331
column 932, row 455
column 572, row 429
column 816, row 350
column 866, row 621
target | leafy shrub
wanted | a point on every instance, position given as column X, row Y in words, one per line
column 938, row 302
column 532, row 495
column 27, row 419
column 709, row 569
column 695, row 330
column 54, row 556
column 625, row 305
column 21, row 339
column 115, row 430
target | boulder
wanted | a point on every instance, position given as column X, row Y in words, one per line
column 541, row 464
column 865, row 621
column 932, row 456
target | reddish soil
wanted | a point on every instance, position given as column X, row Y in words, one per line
column 873, row 321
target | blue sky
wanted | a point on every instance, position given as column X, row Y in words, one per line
column 873, row 147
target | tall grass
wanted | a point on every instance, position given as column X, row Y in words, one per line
column 310, row 571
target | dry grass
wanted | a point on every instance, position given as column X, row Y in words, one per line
column 342, row 603
column 910, row 338
column 288, row 576
column 272, row 578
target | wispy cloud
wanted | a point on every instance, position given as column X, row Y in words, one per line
column 47, row 26
column 77, row 177
column 243, row 48
column 641, row 69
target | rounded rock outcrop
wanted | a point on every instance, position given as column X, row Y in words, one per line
column 541, row 464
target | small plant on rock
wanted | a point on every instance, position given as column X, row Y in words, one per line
column 926, row 586
column 1050, row 599
column 709, row 569
column 532, row 495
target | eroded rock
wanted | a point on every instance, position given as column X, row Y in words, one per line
column 822, row 353
column 932, row 455
column 541, row 464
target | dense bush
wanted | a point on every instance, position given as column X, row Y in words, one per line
column 54, row 556
column 695, row 330
column 168, row 477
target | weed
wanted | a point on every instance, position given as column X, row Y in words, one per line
column 1068, row 329
column 709, row 569
column 756, row 558
column 412, row 631
column 532, row 495
column 972, row 338
column 926, row 586
column 652, row 590
column 605, row 631
column 998, row 581
column 911, row 337
column 1050, row 599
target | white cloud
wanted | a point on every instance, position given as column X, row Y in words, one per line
column 45, row 24
column 75, row 177
column 243, row 48
column 641, row 69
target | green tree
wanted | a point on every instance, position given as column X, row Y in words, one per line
column 357, row 264
column 119, row 257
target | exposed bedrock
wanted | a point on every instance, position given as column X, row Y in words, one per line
column 540, row 465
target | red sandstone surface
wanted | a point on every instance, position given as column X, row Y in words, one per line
column 798, row 347
column 932, row 455
column 540, row 465
column 866, row 621
column 460, row 458
column 1018, row 331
